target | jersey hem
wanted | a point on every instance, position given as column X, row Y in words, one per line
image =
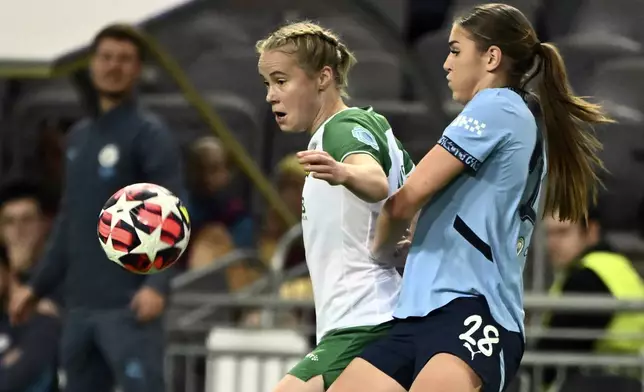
column 340, row 327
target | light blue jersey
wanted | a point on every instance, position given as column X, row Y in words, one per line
column 472, row 238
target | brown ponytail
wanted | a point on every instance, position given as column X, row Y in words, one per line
column 571, row 143
column 573, row 163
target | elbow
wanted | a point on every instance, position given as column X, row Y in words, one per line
column 400, row 209
column 375, row 192
column 381, row 191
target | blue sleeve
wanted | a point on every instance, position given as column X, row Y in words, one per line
column 159, row 161
column 480, row 129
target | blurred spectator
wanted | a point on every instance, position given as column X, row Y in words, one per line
column 28, row 353
column 25, row 220
column 290, row 178
column 220, row 220
column 113, row 322
column 289, row 182
column 585, row 263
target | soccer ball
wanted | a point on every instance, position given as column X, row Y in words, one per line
column 144, row 228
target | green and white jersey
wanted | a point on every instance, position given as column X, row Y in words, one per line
column 349, row 289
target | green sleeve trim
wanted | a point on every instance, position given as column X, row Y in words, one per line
column 361, row 152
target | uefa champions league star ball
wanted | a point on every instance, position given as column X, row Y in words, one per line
column 144, row 228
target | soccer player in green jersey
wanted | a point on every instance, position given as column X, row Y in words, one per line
column 354, row 163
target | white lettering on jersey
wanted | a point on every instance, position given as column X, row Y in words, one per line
column 485, row 344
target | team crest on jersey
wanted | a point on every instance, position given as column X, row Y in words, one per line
column 109, row 156
column 520, row 245
column 365, row 137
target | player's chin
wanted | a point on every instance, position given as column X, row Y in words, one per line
column 289, row 128
column 459, row 97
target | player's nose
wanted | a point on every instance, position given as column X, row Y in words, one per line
column 271, row 97
column 447, row 66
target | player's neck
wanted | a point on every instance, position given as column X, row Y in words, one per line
column 329, row 108
column 490, row 81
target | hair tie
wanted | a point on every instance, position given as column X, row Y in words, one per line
column 537, row 48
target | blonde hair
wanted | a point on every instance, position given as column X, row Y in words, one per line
column 314, row 47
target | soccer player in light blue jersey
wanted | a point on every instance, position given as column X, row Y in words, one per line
column 459, row 321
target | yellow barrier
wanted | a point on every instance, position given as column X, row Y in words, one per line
column 213, row 121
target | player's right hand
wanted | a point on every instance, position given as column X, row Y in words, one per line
column 21, row 304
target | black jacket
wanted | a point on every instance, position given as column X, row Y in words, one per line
column 36, row 365
column 579, row 280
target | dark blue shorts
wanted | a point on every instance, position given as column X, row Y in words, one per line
column 464, row 328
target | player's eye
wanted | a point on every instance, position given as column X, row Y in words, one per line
column 266, row 84
column 454, row 51
column 281, row 81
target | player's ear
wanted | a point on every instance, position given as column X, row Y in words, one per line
column 493, row 57
column 325, row 78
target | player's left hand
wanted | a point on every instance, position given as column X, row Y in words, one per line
column 322, row 166
column 393, row 258
column 148, row 304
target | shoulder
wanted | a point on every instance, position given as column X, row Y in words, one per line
column 363, row 117
column 499, row 114
column 355, row 124
column 150, row 121
column 498, row 107
column 80, row 126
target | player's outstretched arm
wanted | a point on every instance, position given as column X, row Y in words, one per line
column 360, row 173
column 431, row 175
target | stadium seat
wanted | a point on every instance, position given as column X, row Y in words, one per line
column 377, row 75
column 619, row 85
column 432, row 49
column 618, row 17
column 239, row 116
column 556, row 18
column 624, row 182
column 189, row 36
column 394, row 10
column 352, row 31
column 232, row 70
column 528, row 7
column 584, row 54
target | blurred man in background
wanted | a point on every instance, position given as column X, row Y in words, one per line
column 29, row 352
column 585, row 263
column 113, row 324
column 25, row 220
column 220, row 219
